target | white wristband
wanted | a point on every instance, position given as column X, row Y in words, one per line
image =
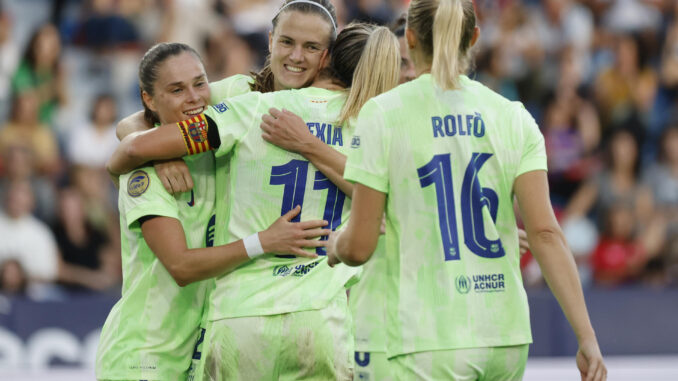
column 253, row 246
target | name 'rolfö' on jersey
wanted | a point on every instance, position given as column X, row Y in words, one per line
column 451, row 125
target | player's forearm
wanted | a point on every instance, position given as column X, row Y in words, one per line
column 195, row 265
column 330, row 162
column 130, row 124
column 560, row 272
column 123, row 159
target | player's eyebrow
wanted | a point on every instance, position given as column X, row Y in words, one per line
column 179, row 83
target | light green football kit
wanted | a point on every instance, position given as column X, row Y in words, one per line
column 267, row 181
column 225, row 88
column 447, row 161
column 367, row 303
column 151, row 333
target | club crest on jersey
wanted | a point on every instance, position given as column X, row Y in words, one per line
column 138, row 183
column 355, row 142
column 220, row 107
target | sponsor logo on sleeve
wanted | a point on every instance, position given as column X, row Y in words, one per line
column 355, row 142
column 220, row 107
column 138, row 183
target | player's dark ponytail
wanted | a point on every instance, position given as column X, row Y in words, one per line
column 148, row 71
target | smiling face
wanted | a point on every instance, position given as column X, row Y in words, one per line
column 181, row 90
column 298, row 46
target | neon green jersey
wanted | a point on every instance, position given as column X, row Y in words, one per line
column 266, row 181
column 367, row 303
column 448, row 160
column 151, row 332
column 229, row 87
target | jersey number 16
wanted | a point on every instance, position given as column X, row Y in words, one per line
column 474, row 198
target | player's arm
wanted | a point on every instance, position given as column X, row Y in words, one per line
column 165, row 142
column 165, row 237
column 550, row 249
column 174, row 173
column 288, row 131
column 130, row 124
column 355, row 244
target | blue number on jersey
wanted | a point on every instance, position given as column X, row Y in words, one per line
column 438, row 171
column 293, row 176
column 333, row 206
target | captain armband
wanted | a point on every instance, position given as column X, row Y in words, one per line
column 195, row 132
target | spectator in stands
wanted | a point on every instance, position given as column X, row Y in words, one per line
column 26, row 239
column 24, row 128
column 620, row 255
column 18, row 165
column 626, row 91
column 96, row 190
column 89, row 260
column 91, row 144
column 40, row 71
column 104, row 28
column 617, row 183
column 13, row 279
column 227, row 54
column 9, row 59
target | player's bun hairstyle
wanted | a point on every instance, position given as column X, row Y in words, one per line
column 444, row 29
column 263, row 80
column 148, row 70
column 366, row 59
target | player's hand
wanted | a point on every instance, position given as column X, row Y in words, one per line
column 331, row 249
column 287, row 237
column 174, row 175
column 590, row 361
column 522, row 241
column 286, row 130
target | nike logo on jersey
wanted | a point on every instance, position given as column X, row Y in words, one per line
column 192, row 202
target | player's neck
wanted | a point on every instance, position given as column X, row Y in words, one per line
column 326, row 83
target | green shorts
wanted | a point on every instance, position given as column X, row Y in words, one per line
column 482, row 364
column 309, row 345
column 372, row 366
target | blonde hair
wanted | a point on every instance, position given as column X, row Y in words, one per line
column 377, row 70
column 444, row 29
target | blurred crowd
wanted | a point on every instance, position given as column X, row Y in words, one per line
column 599, row 76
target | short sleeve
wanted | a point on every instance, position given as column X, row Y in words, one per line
column 368, row 161
column 234, row 118
column 142, row 194
column 533, row 153
column 229, row 87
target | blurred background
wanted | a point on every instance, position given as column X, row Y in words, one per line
column 599, row 76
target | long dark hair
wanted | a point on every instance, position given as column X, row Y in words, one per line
column 148, row 70
column 263, row 79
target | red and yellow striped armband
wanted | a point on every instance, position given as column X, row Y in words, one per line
column 194, row 131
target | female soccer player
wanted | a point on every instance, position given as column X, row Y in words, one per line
column 302, row 33
column 280, row 317
column 444, row 156
column 151, row 332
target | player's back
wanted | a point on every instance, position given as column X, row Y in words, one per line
column 452, row 157
column 266, row 181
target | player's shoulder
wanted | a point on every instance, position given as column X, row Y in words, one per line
column 139, row 183
column 230, row 87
